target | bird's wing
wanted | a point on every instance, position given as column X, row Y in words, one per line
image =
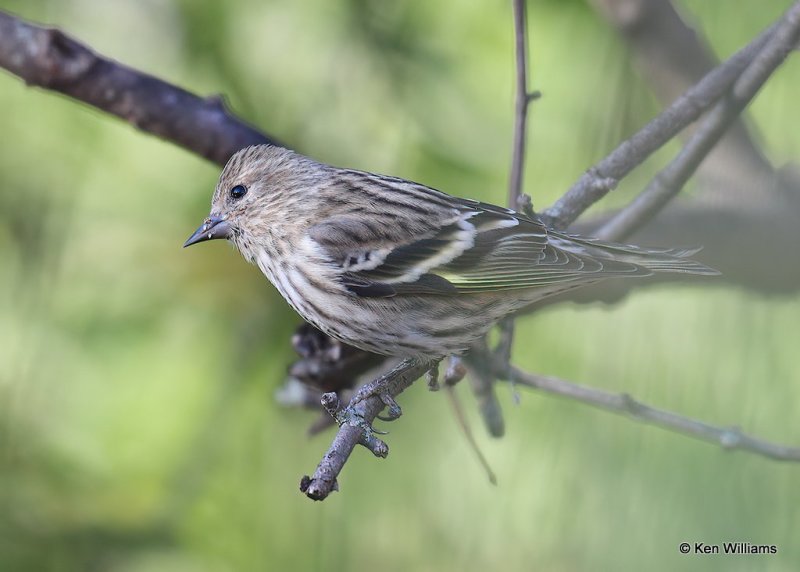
column 475, row 247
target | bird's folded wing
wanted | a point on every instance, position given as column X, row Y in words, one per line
column 480, row 248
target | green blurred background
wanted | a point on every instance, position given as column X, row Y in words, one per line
column 138, row 427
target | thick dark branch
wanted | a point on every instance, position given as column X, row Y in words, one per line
column 606, row 174
column 50, row 59
column 729, row 438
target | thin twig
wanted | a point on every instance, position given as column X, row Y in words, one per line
column 48, row 58
column 605, row 175
column 523, row 100
column 516, row 199
column 458, row 410
column 624, row 404
column 483, row 382
column 669, row 181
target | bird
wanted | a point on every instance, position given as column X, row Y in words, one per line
column 398, row 268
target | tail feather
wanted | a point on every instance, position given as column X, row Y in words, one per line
column 653, row 259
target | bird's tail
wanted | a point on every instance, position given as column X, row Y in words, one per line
column 647, row 259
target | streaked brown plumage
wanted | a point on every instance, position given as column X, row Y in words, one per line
column 395, row 267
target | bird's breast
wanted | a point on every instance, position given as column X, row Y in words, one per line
column 307, row 284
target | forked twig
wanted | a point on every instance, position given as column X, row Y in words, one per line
column 670, row 180
column 606, row 174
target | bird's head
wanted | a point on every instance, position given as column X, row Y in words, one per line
column 258, row 189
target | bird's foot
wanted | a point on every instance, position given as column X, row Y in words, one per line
column 378, row 388
column 382, row 389
column 350, row 416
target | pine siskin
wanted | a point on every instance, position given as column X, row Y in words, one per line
column 397, row 268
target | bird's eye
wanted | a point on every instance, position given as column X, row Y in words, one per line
column 238, row 192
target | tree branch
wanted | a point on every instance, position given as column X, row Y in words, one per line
column 605, row 175
column 624, row 404
column 482, row 382
column 663, row 188
column 523, row 100
column 672, row 56
column 670, row 180
column 320, row 485
column 48, row 58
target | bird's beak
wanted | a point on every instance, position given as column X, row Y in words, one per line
column 213, row 227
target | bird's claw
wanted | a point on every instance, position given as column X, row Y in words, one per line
column 377, row 390
column 349, row 416
column 393, row 410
